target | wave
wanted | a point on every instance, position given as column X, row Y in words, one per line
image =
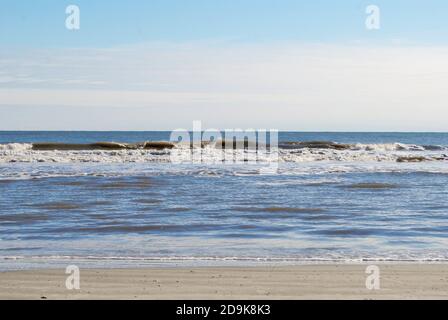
column 158, row 145
column 391, row 257
column 215, row 152
column 222, row 144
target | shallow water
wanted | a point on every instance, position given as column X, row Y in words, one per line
column 342, row 207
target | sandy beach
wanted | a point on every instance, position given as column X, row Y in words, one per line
column 337, row 281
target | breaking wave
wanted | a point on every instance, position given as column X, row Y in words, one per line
column 299, row 151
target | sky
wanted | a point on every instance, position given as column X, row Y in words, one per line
column 285, row 64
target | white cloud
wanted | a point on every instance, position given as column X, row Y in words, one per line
column 287, row 86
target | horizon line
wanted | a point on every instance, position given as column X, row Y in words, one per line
column 284, row 131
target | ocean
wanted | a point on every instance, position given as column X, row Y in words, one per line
column 334, row 197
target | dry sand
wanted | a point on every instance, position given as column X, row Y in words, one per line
column 337, row 281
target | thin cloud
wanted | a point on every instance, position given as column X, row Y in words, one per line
column 376, row 87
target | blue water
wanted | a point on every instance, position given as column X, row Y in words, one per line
column 328, row 210
column 137, row 136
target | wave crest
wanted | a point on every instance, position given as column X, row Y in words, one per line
column 308, row 151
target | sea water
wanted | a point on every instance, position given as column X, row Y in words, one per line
column 138, row 207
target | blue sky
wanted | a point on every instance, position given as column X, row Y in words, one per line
column 108, row 23
column 287, row 64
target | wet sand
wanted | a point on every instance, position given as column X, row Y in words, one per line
column 336, row 281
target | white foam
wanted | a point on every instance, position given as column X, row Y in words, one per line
column 15, row 147
column 18, row 152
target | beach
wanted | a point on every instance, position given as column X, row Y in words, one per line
column 321, row 281
column 223, row 150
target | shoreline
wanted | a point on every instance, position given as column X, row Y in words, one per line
column 36, row 263
column 307, row 281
